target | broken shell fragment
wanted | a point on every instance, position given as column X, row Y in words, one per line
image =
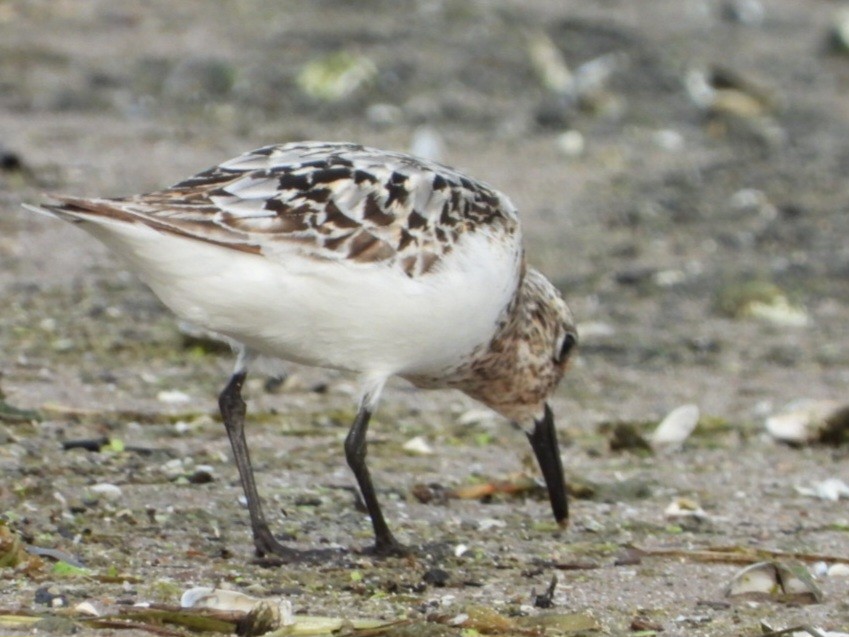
column 86, row 608
column 271, row 613
column 676, row 427
column 548, row 63
column 685, row 508
column 831, row 489
column 788, row 582
column 217, row 599
column 809, row 421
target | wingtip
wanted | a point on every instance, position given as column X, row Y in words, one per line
column 39, row 209
column 52, row 210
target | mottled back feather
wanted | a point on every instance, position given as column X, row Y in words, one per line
column 329, row 201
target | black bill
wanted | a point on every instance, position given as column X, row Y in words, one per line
column 544, row 443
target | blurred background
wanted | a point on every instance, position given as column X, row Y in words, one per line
column 679, row 166
column 680, row 170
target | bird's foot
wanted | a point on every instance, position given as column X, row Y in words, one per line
column 390, row 548
column 271, row 553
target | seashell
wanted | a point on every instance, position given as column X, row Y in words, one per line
column 685, row 508
column 86, row 608
column 549, row 64
column 787, row 581
column 809, row 421
column 271, row 613
column 676, row 427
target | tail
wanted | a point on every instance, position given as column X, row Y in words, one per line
column 52, row 211
column 77, row 209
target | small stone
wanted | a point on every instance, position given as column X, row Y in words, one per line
column 418, row 446
column 685, row 508
column 202, row 475
column 173, row 468
column 571, row 143
column 50, row 596
column 487, row 524
column 173, row 397
column 669, row 140
column 838, row 570
column 107, row 491
column 383, row 114
column 831, row 489
column 436, row 577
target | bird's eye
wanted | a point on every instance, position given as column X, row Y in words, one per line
column 569, row 342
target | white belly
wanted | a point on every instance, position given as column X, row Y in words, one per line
column 369, row 318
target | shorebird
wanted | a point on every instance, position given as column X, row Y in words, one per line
column 351, row 258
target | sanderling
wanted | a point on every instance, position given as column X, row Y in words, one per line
column 351, row 258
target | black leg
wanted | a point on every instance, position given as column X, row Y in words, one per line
column 544, row 443
column 233, row 412
column 355, row 452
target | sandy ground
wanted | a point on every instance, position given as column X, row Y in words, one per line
column 663, row 221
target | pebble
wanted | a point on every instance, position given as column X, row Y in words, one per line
column 571, row 143
column 830, row 489
column 685, row 508
column 107, row 490
column 383, row 114
column 669, row 140
column 485, row 524
column 436, row 577
column 173, row 397
column 418, row 446
column 50, row 596
column 838, row 570
column 203, row 474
